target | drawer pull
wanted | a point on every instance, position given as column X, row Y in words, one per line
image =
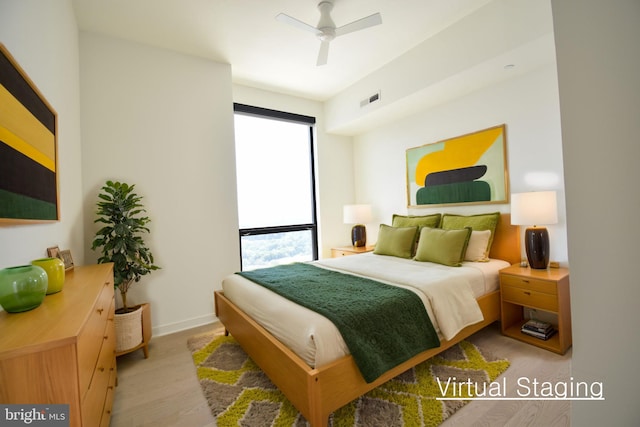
column 527, row 293
column 100, row 310
column 525, row 280
column 106, row 337
column 101, row 369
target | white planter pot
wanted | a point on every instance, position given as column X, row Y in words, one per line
column 128, row 330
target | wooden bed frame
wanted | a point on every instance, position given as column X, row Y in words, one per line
column 317, row 392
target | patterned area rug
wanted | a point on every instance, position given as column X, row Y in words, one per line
column 240, row 394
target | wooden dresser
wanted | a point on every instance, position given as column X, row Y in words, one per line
column 64, row 350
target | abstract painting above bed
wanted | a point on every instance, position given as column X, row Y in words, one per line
column 468, row 169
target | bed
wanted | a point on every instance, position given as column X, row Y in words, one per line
column 318, row 389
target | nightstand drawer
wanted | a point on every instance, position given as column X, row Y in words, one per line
column 530, row 298
column 530, row 284
column 350, row 250
column 336, row 253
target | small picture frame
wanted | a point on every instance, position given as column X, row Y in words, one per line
column 53, row 252
column 67, row 259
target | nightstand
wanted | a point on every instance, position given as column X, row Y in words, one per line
column 350, row 250
column 546, row 290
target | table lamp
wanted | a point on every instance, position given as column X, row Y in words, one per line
column 358, row 215
column 534, row 209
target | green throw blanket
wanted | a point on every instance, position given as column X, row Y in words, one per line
column 382, row 325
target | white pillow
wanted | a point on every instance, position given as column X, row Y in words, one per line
column 477, row 248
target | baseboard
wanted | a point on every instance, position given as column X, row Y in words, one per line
column 171, row 328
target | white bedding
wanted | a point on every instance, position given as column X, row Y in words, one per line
column 448, row 293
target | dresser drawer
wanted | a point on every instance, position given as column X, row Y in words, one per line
column 93, row 404
column 108, row 403
column 538, row 285
column 530, row 298
column 93, row 335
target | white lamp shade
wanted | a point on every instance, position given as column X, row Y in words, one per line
column 534, row 208
column 357, row 214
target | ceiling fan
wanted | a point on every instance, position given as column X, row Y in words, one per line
column 326, row 29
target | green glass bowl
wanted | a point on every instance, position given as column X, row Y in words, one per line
column 22, row 288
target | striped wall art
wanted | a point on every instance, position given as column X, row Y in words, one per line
column 28, row 148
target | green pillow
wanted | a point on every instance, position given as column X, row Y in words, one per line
column 396, row 241
column 413, row 220
column 477, row 222
column 432, row 221
column 443, row 246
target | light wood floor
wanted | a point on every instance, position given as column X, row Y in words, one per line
column 163, row 390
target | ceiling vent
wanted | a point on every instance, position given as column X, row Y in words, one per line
column 371, row 99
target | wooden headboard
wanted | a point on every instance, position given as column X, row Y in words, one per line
column 506, row 242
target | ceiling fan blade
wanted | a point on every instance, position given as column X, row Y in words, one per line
column 323, row 54
column 297, row 23
column 360, row 24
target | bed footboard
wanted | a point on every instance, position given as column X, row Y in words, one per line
column 316, row 393
column 285, row 369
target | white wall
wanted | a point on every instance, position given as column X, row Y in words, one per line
column 164, row 122
column 334, row 164
column 527, row 104
column 466, row 56
column 43, row 38
column 598, row 69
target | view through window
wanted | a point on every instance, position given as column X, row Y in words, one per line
column 276, row 189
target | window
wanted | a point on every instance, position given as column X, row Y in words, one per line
column 276, row 187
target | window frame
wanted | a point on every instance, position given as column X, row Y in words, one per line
column 266, row 113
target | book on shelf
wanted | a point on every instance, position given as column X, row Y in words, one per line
column 537, row 326
column 540, row 335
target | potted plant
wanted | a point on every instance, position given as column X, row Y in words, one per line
column 121, row 242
